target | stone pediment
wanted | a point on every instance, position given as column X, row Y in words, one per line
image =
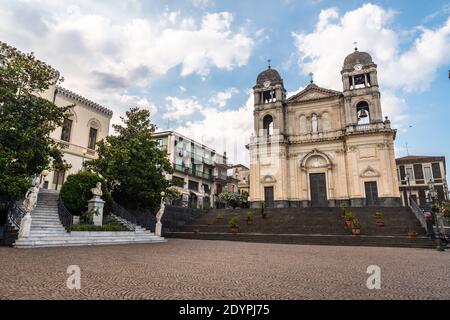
column 313, row 92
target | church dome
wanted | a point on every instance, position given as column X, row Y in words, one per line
column 357, row 57
column 271, row 75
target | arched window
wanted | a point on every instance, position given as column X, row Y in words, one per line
column 363, row 112
column 268, row 125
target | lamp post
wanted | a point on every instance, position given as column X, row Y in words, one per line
column 44, row 174
column 408, row 179
column 435, row 210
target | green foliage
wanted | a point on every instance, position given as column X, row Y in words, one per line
column 356, row 224
column 446, row 209
column 244, row 199
column 26, row 121
column 76, row 193
column 234, row 222
column 349, row 216
column 230, row 198
column 132, row 163
column 262, row 209
column 111, row 226
column 250, row 215
column 378, row 216
column 88, row 216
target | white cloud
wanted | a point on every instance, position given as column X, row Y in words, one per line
column 201, row 3
column 399, row 69
column 177, row 108
column 221, row 98
column 110, row 47
column 228, row 131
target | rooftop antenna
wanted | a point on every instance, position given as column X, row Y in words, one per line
column 311, row 75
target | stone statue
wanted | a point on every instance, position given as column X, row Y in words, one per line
column 31, row 198
column 162, row 208
column 315, row 123
column 159, row 215
column 28, row 205
column 97, row 191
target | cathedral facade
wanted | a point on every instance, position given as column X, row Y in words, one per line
column 320, row 147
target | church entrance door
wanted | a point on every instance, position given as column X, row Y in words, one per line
column 318, row 187
column 269, row 198
column 371, row 193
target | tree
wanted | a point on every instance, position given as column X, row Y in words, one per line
column 76, row 192
column 132, row 163
column 230, row 198
column 26, row 121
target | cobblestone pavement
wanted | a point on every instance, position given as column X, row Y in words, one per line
column 189, row 269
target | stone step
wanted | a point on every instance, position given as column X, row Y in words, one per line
column 84, row 242
column 311, row 239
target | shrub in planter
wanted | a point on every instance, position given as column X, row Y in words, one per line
column 349, row 217
column 233, row 223
column 378, row 216
column 250, row 217
column 343, row 209
column 356, row 228
column 262, row 208
column 76, row 193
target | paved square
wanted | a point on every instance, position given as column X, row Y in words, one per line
column 187, row 269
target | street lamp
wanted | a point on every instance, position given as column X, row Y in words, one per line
column 408, row 179
column 435, row 210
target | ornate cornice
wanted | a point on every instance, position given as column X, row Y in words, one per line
column 76, row 97
column 314, row 92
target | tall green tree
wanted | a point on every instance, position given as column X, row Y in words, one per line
column 132, row 163
column 26, row 120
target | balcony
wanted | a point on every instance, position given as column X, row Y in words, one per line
column 190, row 171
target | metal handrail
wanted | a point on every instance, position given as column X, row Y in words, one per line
column 418, row 212
column 15, row 214
column 128, row 219
column 64, row 216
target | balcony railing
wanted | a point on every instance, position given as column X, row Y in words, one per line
column 190, row 171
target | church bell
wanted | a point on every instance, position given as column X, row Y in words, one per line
column 363, row 114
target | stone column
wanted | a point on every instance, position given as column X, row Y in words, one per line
column 97, row 204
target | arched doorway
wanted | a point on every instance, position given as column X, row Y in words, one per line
column 193, row 201
column 317, row 169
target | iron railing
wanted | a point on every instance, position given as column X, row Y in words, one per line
column 126, row 218
column 418, row 212
column 15, row 214
column 64, row 216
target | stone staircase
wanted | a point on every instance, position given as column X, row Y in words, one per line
column 320, row 226
column 47, row 230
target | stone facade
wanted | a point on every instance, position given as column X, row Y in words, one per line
column 87, row 124
column 323, row 147
column 242, row 174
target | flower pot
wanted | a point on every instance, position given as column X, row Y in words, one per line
column 380, row 224
column 356, row 232
column 349, row 223
column 249, row 222
column 234, row 230
column 412, row 234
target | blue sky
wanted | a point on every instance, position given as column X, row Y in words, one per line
column 193, row 62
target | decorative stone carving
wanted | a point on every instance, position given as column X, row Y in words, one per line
column 31, row 198
column 159, row 215
column 96, row 204
column 370, row 173
column 97, row 191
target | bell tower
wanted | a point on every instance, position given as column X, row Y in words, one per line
column 270, row 98
column 361, row 90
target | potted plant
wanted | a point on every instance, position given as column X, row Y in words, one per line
column 412, row 234
column 250, row 218
column 343, row 208
column 356, row 228
column 262, row 207
column 233, row 223
column 349, row 217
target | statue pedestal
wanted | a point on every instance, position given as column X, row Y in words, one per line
column 158, row 229
column 25, row 226
column 97, row 204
